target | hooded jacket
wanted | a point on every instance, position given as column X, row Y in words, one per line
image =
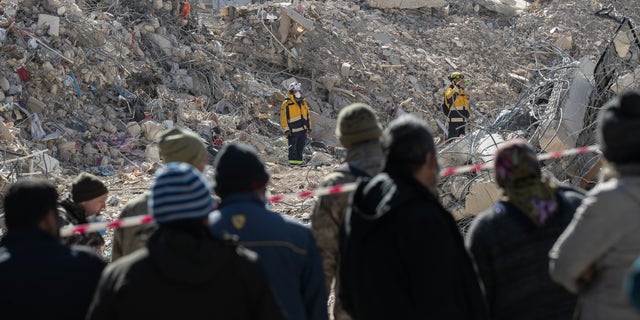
column 402, row 256
column 185, row 275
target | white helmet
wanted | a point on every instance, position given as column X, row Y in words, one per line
column 294, row 86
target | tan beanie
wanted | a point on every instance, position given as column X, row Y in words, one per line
column 182, row 145
column 86, row 187
column 357, row 123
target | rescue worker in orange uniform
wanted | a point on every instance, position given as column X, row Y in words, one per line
column 296, row 122
column 456, row 105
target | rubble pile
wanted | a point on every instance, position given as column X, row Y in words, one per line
column 88, row 85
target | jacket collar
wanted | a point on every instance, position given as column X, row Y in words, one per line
column 26, row 235
column 364, row 150
column 241, row 197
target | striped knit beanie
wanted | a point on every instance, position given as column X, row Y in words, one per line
column 180, row 192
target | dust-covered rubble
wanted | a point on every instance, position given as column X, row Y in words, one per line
column 88, row 85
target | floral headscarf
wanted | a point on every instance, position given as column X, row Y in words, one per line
column 518, row 174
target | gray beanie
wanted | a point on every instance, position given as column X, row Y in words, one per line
column 619, row 128
column 357, row 123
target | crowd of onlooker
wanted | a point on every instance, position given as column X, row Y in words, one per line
column 388, row 250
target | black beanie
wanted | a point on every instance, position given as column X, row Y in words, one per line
column 86, row 187
column 238, row 170
column 619, row 128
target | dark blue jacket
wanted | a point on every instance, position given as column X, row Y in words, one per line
column 43, row 279
column 286, row 249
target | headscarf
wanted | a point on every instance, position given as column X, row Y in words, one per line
column 518, row 174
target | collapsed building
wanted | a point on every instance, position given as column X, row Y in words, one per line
column 557, row 113
column 88, row 85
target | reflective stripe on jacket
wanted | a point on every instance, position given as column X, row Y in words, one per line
column 294, row 116
column 456, row 103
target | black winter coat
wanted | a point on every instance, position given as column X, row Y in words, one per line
column 402, row 256
column 512, row 256
column 43, row 279
column 185, row 275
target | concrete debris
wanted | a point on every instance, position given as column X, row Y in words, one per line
column 406, row 4
column 506, row 7
column 95, row 82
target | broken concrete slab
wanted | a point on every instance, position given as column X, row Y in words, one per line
column 455, row 154
column 481, row 197
column 298, row 18
column 628, row 81
column 35, row 105
column 323, row 129
column 163, row 43
column 573, row 108
column 321, row 159
column 406, row 4
column 283, row 28
column 506, row 7
column 52, row 23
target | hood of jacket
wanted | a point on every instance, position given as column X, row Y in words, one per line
column 189, row 257
column 385, row 192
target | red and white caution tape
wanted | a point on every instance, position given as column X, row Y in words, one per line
column 317, row 192
column 139, row 220
column 541, row 157
column 70, row 230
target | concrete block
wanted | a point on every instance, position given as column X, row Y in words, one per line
column 295, row 16
column 481, row 197
column 52, row 21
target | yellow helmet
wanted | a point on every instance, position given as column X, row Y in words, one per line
column 455, row 75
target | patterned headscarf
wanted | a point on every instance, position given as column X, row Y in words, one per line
column 518, row 174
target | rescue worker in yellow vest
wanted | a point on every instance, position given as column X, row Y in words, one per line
column 456, row 105
column 296, row 123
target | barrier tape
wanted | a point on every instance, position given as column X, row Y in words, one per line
column 70, row 230
column 541, row 157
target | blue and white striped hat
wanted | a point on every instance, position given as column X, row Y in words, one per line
column 180, row 192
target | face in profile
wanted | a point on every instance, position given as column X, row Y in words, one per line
column 94, row 206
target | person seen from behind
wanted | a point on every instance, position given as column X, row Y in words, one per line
column 358, row 130
column 175, row 145
column 286, row 249
column 510, row 242
column 401, row 253
column 40, row 278
column 594, row 253
column 184, row 272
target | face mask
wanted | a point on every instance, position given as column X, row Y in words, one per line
column 297, row 95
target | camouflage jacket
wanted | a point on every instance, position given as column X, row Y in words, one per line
column 70, row 213
column 129, row 239
column 329, row 211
